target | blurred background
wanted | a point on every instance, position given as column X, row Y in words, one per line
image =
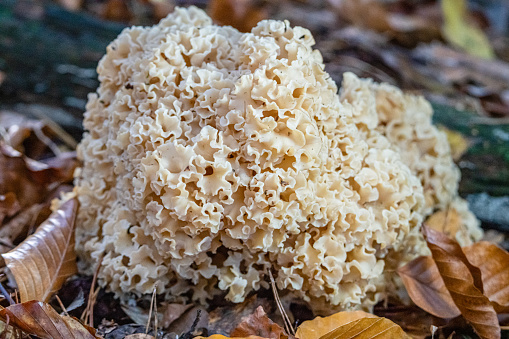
column 454, row 52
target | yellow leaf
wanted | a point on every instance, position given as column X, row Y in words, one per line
column 459, row 144
column 220, row 336
column 448, row 222
column 459, row 32
column 367, row 328
column 344, row 324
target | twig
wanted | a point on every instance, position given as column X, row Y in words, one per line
column 6, row 294
column 153, row 305
column 47, row 141
column 61, row 305
column 56, row 128
column 92, row 297
column 155, row 315
column 288, row 324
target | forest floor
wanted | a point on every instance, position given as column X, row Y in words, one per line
column 457, row 57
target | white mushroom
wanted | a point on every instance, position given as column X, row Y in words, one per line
column 211, row 156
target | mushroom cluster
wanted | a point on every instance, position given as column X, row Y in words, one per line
column 212, row 156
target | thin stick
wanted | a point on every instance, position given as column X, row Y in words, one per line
column 150, row 311
column 288, row 324
column 56, row 128
column 61, row 305
column 6, row 294
column 155, row 313
column 92, row 296
column 47, row 141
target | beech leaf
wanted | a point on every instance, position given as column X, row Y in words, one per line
column 44, row 260
column 365, row 328
column 453, row 248
column 426, row 287
column 459, row 280
column 355, row 324
column 259, row 324
column 40, row 319
column 494, row 265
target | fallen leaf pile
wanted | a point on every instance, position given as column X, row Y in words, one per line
column 40, row 265
column 342, row 325
column 471, row 282
column 27, row 185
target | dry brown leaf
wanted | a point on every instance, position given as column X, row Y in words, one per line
column 19, row 225
column 43, row 262
column 9, row 205
column 40, row 319
column 453, row 248
column 426, row 288
column 172, row 312
column 225, row 318
column 30, row 180
column 241, row 14
column 460, row 281
column 117, row 10
column 494, row 265
column 259, row 324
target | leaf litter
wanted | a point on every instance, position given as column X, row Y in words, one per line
column 473, row 266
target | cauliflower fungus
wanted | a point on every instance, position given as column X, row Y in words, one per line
column 212, row 156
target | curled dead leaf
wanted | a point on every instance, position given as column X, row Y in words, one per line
column 356, row 324
column 438, row 240
column 494, row 265
column 31, row 181
column 259, row 324
column 426, row 288
column 40, row 319
column 43, row 262
column 459, row 277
